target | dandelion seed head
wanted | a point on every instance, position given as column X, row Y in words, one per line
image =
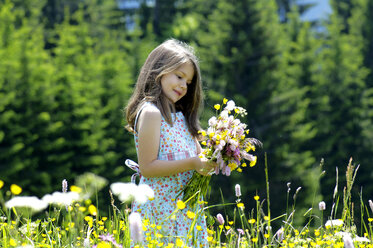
column 322, row 206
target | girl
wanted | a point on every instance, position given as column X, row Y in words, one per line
column 163, row 115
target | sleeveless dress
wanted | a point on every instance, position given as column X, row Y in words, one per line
column 176, row 143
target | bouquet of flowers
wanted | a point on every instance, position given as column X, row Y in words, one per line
column 227, row 144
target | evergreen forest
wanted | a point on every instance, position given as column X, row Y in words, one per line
column 68, row 68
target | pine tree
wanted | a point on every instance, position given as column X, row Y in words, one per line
column 342, row 85
column 292, row 106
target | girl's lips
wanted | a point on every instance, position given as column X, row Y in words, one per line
column 178, row 93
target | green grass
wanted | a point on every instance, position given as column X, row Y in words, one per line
column 82, row 225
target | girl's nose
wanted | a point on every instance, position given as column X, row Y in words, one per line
column 183, row 84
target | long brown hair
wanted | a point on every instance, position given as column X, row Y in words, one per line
column 166, row 58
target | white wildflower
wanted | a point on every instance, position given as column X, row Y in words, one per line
column 322, row 206
column 361, row 239
column 212, row 121
column 230, row 105
column 370, row 205
column 333, row 223
column 348, row 242
column 135, row 227
column 127, row 192
column 220, row 219
column 60, row 198
column 32, row 202
column 238, row 190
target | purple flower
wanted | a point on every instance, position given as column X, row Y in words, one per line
column 64, row 185
column 238, row 190
column 220, row 219
column 109, row 238
column 240, row 231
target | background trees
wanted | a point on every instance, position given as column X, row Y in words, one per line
column 67, row 70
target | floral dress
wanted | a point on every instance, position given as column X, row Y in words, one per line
column 176, row 142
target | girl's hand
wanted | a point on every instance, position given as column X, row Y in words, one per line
column 205, row 166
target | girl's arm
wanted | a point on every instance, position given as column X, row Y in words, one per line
column 149, row 125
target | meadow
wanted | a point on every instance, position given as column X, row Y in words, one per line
column 71, row 219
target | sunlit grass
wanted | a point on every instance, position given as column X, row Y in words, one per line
column 78, row 223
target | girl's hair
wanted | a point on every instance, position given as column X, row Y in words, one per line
column 164, row 59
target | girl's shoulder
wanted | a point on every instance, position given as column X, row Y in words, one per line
column 149, row 114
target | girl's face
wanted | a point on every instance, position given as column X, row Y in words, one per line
column 175, row 84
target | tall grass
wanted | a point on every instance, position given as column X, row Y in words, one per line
column 80, row 224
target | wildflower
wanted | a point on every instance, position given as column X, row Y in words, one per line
column 361, row 239
column 279, row 235
column 129, row 191
column 76, row 189
column 256, row 198
column 92, row 210
column 220, row 219
column 332, row 223
column 60, row 198
column 252, row 221
column 230, row 105
column 348, row 242
column 32, row 202
column 109, row 238
column 240, row 205
column 64, row 186
column 217, row 106
column 370, row 204
column 322, row 206
column 135, row 224
column 238, row 190
column 191, row 215
column 1, row 183
column 12, row 242
column 15, row 189
column 225, row 100
column 180, row 204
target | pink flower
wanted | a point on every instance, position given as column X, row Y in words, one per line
column 220, row 219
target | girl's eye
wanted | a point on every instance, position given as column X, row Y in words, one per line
column 179, row 77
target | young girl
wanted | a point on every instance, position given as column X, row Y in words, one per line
column 163, row 115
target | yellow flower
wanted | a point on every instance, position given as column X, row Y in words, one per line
column 266, row 218
column 230, row 222
column 240, row 205
column 317, row 233
column 92, row 210
column 239, row 170
column 254, row 240
column 103, row 245
column 76, row 189
column 1, row 183
column 252, row 221
column 370, row 219
column 209, row 238
column 252, row 163
column 225, row 100
column 15, row 189
column 204, row 143
column 244, row 165
column 180, row 204
column 256, row 198
column 179, row 243
column 217, row 106
column 12, row 242
column 82, row 209
column 191, row 215
column 199, row 228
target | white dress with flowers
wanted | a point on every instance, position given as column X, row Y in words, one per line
column 176, row 142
